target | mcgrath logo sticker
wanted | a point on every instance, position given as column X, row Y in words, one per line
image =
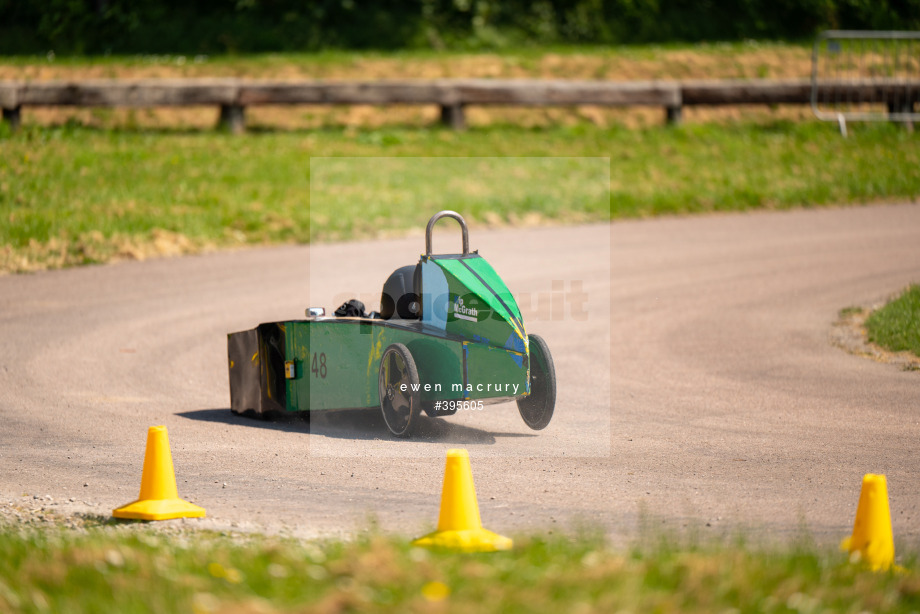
column 463, row 312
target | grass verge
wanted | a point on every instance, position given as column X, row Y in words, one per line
column 142, row 571
column 896, row 326
column 72, row 195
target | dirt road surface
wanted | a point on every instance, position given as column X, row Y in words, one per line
column 698, row 385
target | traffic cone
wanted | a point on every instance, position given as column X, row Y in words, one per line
column 459, row 524
column 159, row 498
column 872, row 536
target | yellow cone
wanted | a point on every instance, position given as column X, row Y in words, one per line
column 459, row 524
column 159, row 498
column 872, row 536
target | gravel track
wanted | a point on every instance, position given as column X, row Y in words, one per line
column 701, row 389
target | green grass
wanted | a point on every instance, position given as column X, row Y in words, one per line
column 896, row 326
column 74, row 195
column 106, row 569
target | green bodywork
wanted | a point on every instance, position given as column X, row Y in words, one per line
column 469, row 343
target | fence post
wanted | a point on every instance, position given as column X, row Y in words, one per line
column 674, row 114
column 232, row 118
column 13, row 116
column 452, row 116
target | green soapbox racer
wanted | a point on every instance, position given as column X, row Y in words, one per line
column 449, row 336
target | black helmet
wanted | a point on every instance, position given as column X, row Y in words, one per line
column 400, row 296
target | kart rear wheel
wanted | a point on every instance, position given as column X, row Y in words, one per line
column 399, row 403
column 537, row 407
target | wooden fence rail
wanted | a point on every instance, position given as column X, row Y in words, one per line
column 451, row 95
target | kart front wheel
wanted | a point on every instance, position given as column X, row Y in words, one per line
column 537, row 407
column 398, row 386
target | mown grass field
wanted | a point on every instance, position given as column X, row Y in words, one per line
column 896, row 326
column 108, row 569
column 72, row 195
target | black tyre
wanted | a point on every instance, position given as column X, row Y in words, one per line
column 399, row 403
column 537, row 407
column 429, row 408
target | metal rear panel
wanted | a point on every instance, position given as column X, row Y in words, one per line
column 243, row 357
column 256, row 361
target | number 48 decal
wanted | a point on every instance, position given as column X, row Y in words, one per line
column 318, row 367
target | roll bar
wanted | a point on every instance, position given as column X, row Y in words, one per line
column 446, row 213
